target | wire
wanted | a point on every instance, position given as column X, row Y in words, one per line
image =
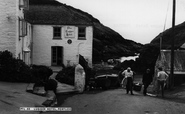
column 164, row 24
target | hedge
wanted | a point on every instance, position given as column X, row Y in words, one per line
column 15, row 70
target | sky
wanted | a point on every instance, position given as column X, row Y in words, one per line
column 137, row 20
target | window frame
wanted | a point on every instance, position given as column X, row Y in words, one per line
column 54, row 32
column 22, row 28
column 83, row 37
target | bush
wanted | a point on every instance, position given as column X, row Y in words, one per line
column 14, row 70
column 66, row 75
column 41, row 73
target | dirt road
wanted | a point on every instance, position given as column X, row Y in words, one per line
column 116, row 101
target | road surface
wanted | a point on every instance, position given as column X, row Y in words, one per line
column 116, row 101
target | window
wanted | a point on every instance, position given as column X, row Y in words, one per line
column 81, row 33
column 56, row 32
column 22, row 28
column 24, row 4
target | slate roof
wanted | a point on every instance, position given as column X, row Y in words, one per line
column 56, row 14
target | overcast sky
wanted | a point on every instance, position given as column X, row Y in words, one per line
column 137, row 20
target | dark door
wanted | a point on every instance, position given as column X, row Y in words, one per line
column 57, row 55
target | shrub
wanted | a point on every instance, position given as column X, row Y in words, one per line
column 41, row 73
column 66, row 75
column 14, row 70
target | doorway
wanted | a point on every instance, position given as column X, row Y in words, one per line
column 57, row 55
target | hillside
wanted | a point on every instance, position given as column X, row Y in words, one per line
column 166, row 36
column 149, row 52
column 107, row 43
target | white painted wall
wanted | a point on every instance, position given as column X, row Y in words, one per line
column 43, row 40
column 9, row 30
column 8, row 25
column 19, row 41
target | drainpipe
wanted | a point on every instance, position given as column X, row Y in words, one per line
column 22, row 38
column 31, row 56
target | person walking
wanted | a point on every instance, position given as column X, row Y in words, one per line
column 51, row 92
column 147, row 79
column 128, row 73
column 162, row 77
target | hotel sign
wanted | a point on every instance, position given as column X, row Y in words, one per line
column 69, row 32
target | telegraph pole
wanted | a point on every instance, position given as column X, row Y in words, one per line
column 172, row 46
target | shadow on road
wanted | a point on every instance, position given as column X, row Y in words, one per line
column 173, row 99
column 62, row 97
column 175, row 95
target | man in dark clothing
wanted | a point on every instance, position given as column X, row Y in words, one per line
column 51, row 84
column 147, row 79
column 50, row 88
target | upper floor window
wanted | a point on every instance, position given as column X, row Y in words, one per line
column 22, row 28
column 24, row 4
column 56, row 32
column 81, row 33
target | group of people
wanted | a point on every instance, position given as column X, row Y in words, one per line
column 147, row 79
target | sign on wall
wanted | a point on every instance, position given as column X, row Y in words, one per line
column 69, row 32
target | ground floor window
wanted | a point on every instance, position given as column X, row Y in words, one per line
column 57, row 55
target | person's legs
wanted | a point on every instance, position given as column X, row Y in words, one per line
column 131, row 86
column 162, row 88
column 128, row 85
column 145, row 88
column 51, row 85
column 158, row 87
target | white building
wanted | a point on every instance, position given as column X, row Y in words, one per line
column 44, row 34
column 60, row 44
column 15, row 31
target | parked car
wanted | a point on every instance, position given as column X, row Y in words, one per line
column 105, row 81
